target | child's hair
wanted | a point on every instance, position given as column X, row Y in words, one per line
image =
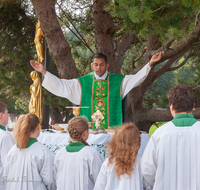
column 76, row 127
column 123, row 149
column 3, row 107
column 26, row 123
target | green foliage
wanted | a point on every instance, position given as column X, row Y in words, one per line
column 167, row 18
column 154, row 127
column 156, row 95
column 16, row 41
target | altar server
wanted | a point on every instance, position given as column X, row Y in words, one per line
column 171, row 160
column 29, row 164
column 6, row 141
column 121, row 170
column 77, row 165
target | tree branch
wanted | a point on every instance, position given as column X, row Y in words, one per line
column 197, row 87
column 123, row 9
column 181, row 47
column 122, row 46
column 169, row 43
column 133, row 61
column 179, row 66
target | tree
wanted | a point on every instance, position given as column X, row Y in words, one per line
column 115, row 39
column 119, row 26
column 16, row 40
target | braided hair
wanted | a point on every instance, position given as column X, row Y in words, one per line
column 76, row 127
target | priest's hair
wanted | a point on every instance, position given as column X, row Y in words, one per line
column 123, row 149
column 26, row 124
column 76, row 127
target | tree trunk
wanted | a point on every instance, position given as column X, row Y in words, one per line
column 59, row 48
column 55, row 115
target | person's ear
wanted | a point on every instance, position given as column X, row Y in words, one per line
column 92, row 66
column 171, row 107
column 84, row 133
column 38, row 127
column 107, row 66
column 1, row 115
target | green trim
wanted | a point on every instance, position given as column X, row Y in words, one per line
column 74, row 146
column 113, row 99
column 184, row 120
column 100, row 101
column 2, row 127
column 31, row 141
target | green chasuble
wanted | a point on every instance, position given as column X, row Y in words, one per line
column 102, row 95
column 74, row 146
column 2, row 127
column 184, row 120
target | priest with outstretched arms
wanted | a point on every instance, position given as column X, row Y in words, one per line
column 99, row 90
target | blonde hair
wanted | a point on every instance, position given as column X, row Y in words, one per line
column 123, row 149
column 76, row 127
column 26, row 123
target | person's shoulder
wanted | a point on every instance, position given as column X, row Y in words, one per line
column 61, row 150
column 39, row 147
column 89, row 150
column 89, row 75
column 5, row 134
column 116, row 75
column 167, row 127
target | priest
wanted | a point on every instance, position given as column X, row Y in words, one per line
column 171, row 158
column 99, row 90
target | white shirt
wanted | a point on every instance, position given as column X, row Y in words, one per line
column 29, row 169
column 108, row 180
column 77, row 170
column 6, row 143
column 71, row 89
column 171, row 160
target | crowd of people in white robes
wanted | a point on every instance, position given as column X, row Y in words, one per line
column 170, row 160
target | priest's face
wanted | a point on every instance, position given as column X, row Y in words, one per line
column 99, row 66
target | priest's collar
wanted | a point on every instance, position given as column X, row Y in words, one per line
column 102, row 77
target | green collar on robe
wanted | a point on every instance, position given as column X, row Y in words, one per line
column 2, row 127
column 74, row 146
column 184, row 120
column 31, row 141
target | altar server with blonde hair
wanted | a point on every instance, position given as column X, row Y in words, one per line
column 29, row 164
column 77, row 165
column 121, row 170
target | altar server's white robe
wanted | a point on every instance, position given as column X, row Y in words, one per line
column 171, row 160
column 108, row 180
column 6, row 143
column 77, row 170
column 29, row 169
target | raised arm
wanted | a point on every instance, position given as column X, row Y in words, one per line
column 38, row 67
column 132, row 81
column 155, row 58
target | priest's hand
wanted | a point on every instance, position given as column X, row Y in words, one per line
column 38, row 67
column 155, row 58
